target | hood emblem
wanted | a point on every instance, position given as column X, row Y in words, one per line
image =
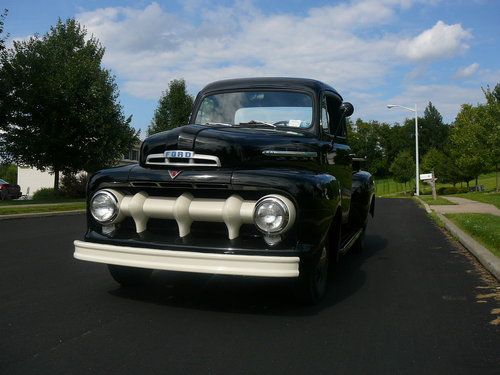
column 173, row 173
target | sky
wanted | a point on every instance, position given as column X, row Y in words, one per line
column 374, row 53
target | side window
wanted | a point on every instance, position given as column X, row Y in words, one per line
column 337, row 124
column 325, row 122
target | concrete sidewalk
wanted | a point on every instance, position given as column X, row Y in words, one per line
column 463, row 205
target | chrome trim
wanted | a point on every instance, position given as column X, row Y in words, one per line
column 115, row 200
column 279, row 153
column 190, row 161
column 287, row 206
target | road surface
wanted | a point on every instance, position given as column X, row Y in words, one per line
column 413, row 303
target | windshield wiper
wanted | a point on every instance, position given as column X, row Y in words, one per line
column 217, row 123
column 257, row 122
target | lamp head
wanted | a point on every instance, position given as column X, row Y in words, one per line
column 390, row 106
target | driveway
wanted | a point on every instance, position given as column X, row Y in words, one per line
column 413, row 303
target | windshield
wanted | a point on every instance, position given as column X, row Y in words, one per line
column 257, row 108
column 3, row 181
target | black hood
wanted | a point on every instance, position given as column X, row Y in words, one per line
column 234, row 146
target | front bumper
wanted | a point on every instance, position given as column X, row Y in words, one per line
column 184, row 261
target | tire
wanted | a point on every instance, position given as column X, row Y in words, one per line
column 310, row 287
column 130, row 276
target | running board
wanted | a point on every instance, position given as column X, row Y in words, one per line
column 348, row 244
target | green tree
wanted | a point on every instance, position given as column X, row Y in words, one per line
column 469, row 140
column 492, row 125
column 436, row 161
column 403, row 167
column 173, row 108
column 364, row 142
column 61, row 107
column 432, row 133
column 2, row 35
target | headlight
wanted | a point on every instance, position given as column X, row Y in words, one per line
column 103, row 206
column 273, row 214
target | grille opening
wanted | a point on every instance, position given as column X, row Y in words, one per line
column 203, row 161
column 144, row 184
column 211, row 186
column 156, row 160
column 174, row 185
column 177, row 160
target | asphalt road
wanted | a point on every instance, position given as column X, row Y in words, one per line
column 412, row 303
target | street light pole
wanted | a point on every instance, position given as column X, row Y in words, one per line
column 416, row 143
column 417, row 184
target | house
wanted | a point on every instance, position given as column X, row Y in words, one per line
column 31, row 179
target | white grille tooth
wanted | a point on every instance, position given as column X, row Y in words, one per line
column 185, row 209
column 136, row 210
column 231, row 215
column 181, row 214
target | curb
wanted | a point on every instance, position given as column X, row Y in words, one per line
column 41, row 214
column 426, row 206
column 482, row 254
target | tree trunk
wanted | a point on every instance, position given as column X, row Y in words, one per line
column 467, row 185
column 476, row 181
column 56, row 181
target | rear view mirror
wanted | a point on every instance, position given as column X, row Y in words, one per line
column 347, row 109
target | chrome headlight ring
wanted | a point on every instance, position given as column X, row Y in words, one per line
column 274, row 214
column 108, row 201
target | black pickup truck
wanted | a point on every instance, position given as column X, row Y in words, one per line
column 261, row 182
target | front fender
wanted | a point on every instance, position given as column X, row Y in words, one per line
column 316, row 196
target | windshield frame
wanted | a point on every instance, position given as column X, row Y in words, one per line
column 314, row 106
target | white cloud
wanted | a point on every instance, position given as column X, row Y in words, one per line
column 147, row 47
column 447, row 98
column 467, row 71
column 440, row 41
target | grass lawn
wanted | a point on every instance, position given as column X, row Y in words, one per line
column 491, row 198
column 19, row 209
column 387, row 186
column 439, row 201
column 484, row 228
column 31, row 201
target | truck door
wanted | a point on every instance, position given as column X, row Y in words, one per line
column 339, row 158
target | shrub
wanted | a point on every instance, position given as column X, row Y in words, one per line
column 447, row 190
column 74, row 186
column 44, row 194
column 8, row 172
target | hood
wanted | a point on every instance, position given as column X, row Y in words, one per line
column 233, row 146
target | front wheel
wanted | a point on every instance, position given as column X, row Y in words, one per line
column 311, row 284
column 130, row 276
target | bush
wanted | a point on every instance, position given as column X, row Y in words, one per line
column 8, row 172
column 447, row 190
column 73, row 186
column 44, row 194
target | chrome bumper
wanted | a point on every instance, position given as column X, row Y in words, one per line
column 185, row 261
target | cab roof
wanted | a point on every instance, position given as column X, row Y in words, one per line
column 268, row 82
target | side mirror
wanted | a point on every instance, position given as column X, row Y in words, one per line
column 347, row 109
